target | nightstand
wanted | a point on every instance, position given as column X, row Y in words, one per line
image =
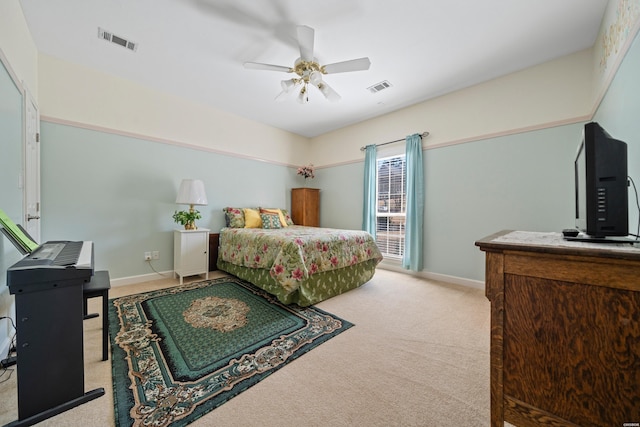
column 190, row 253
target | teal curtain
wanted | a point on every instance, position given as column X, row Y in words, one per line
column 369, row 207
column 413, row 258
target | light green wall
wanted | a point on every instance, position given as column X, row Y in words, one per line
column 522, row 182
column 341, row 195
column 120, row 192
column 122, row 189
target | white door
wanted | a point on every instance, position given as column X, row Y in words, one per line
column 32, row 168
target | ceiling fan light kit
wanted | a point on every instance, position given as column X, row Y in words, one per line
column 303, row 96
column 288, row 85
column 328, row 92
column 309, row 70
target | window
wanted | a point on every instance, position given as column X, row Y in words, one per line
column 392, row 205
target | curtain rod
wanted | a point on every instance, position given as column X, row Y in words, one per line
column 422, row 135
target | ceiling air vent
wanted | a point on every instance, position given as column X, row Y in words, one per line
column 379, row 86
column 110, row 37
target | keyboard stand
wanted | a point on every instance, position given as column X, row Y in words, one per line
column 50, row 350
column 51, row 412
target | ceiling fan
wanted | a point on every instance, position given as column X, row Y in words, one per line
column 309, row 71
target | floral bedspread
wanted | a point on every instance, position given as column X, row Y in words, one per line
column 294, row 253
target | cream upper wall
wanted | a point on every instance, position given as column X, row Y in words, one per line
column 97, row 100
column 17, row 46
column 552, row 93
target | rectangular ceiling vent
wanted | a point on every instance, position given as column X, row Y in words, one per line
column 110, row 37
column 379, row 86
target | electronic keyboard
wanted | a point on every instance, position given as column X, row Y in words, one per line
column 54, row 261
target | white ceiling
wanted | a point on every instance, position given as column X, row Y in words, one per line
column 424, row 48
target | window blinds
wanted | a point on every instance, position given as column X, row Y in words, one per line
column 391, row 205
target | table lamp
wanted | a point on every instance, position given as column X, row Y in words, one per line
column 191, row 193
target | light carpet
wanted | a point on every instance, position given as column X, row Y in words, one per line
column 419, row 356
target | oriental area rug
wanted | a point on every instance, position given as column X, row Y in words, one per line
column 180, row 352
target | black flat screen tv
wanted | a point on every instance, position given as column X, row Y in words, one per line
column 602, row 207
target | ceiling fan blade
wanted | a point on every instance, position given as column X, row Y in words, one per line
column 305, row 41
column 259, row 66
column 346, row 66
column 282, row 96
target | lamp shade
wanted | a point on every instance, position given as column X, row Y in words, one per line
column 191, row 192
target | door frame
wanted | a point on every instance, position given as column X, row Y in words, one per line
column 32, row 206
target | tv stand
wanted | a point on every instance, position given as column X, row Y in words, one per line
column 565, row 318
column 594, row 239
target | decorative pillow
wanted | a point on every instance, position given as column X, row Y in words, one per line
column 252, row 218
column 287, row 217
column 234, row 217
column 275, row 211
column 270, row 220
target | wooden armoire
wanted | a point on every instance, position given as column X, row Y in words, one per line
column 305, row 206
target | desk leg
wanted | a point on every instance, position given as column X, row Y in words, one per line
column 105, row 326
column 495, row 293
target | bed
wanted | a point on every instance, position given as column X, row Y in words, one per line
column 297, row 264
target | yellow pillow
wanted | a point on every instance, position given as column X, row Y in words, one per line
column 283, row 221
column 252, row 218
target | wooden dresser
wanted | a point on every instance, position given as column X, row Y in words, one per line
column 305, row 206
column 565, row 330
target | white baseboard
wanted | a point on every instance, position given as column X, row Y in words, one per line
column 385, row 264
column 470, row 283
column 396, row 266
column 131, row 280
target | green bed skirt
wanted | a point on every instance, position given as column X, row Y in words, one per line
column 318, row 287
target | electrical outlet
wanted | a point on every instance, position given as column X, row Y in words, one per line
column 156, row 255
column 147, row 256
